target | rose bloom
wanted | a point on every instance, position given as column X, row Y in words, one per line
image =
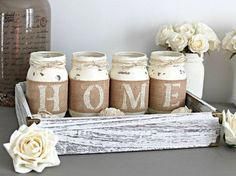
column 198, row 44
column 229, row 42
column 177, row 41
column 32, row 148
column 229, row 124
column 214, row 42
column 186, row 29
column 163, row 35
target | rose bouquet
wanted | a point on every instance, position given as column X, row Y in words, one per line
column 188, row 38
column 229, row 43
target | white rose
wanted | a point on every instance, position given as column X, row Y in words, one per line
column 214, row 42
column 186, row 29
column 202, row 28
column 177, row 41
column 198, row 44
column 229, row 124
column 32, row 148
column 229, row 42
column 163, row 35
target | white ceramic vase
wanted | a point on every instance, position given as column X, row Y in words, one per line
column 195, row 74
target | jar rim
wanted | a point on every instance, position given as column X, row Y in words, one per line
column 128, row 56
column 167, row 55
column 167, row 58
column 48, row 56
column 88, row 56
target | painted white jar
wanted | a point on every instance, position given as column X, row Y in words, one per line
column 195, row 74
column 47, row 83
column 167, row 81
column 89, row 84
column 129, row 90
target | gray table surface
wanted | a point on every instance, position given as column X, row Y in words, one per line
column 219, row 161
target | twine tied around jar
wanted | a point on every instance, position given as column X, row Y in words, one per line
column 41, row 65
column 131, row 64
column 103, row 65
column 165, row 62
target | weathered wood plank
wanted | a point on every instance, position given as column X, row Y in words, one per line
column 198, row 105
column 123, row 134
column 22, row 108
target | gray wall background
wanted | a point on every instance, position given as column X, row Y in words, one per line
column 119, row 25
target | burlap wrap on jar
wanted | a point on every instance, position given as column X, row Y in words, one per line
column 89, row 84
column 47, row 83
column 167, row 81
column 129, row 82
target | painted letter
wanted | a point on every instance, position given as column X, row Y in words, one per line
column 134, row 102
column 169, row 95
column 54, row 98
column 87, row 97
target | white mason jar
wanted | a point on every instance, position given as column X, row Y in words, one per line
column 47, row 83
column 129, row 90
column 195, row 74
column 89, row 84
column 168, row 81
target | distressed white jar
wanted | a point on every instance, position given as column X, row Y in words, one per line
column 47, row 83
column 168, row 81
column 195, row 74
column 129, row 90
column 89, row 84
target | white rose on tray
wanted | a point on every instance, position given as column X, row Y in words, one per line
column 229, row 124
column 32, row 148
column 200, row 38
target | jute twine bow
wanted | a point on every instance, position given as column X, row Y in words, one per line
column 99, row 64
column 131, row 64
column 165, row 63
column 41, row 65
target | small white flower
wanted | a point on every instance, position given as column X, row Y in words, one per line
column 229, row 124
column 186, row 29
column 177, row 41
column 198, row 44
column 163, row 35
column 229, row 42
column 32, row 148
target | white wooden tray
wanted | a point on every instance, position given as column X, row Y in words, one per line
column 87, row 135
